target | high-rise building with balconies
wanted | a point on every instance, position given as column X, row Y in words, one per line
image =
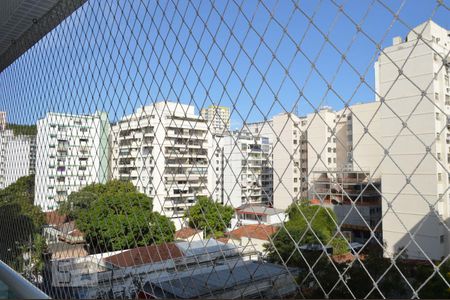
column 246, row 169
column 163, row 150
column 218, row 118
column 72, row 151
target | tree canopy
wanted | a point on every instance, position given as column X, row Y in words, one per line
column 296, row 232
column 22, row 129
column 115, row 216
column 20, row 221
column 211, row 217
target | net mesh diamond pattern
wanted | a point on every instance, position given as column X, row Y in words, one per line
column 229, row 149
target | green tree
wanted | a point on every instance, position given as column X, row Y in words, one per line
column 20, row 221
column 22, row 129
column 119, row 217
column 211, row 217
column 76, row 202
column 296, row 232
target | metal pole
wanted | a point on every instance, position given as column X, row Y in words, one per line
column 21, row 287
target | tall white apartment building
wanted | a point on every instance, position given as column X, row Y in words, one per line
column 17, row 157
column 72, row 152
column 246, row 166
column 321, row 131
column 412, row 83
column 2, row 120
column 300, row 146
column 218, row 118
column 363, row 149
column 163, row 150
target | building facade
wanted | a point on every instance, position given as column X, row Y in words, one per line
column 163, row 150
column 247, row 169
column 72, row 151
column 218, row 118
column 412, row 85
column 355, row 198
column 17, row 156
column 2, row 120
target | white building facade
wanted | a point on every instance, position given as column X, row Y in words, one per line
column 247, row 169
column 413, row 87
column 218, row 118
column 72, row 152
column 17, row 157
column 163, row 150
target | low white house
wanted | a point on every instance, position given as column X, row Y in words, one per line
column 258, row 214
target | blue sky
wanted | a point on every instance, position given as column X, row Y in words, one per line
column 117, row 56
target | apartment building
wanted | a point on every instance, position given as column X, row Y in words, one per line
column 218, row 118
column 412, row 85
column 163, row 150
column 301, row 145
column 247, row 169
column 72, row 151
column 355, row 198
column 359, row 146
column 285, row 133
column 322, row 127
column 2, row 120
column 17, row 156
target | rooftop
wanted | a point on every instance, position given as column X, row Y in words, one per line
column 202, row 247
column 55, row 219
column 63, row 250
column 258, row 210
column 255, row 231
column 145, row 255
column 186, row 232
column 218, row 279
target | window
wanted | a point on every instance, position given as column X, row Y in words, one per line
column 295, row 179
column 436, row 96
column 295, row 190
column 440, row 179
column 329, row 149
column 438, row 116
column 438, row 156
column 295, row 142
column 329, row 160
column 441, row 239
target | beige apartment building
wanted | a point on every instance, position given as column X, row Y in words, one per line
column 218, row 118
column 412, row 83
column 300, row 145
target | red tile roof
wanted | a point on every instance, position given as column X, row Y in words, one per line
column 186, row 232
column 257, row 231
column 145, row 255
column 53, row 218
column 223, row 240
